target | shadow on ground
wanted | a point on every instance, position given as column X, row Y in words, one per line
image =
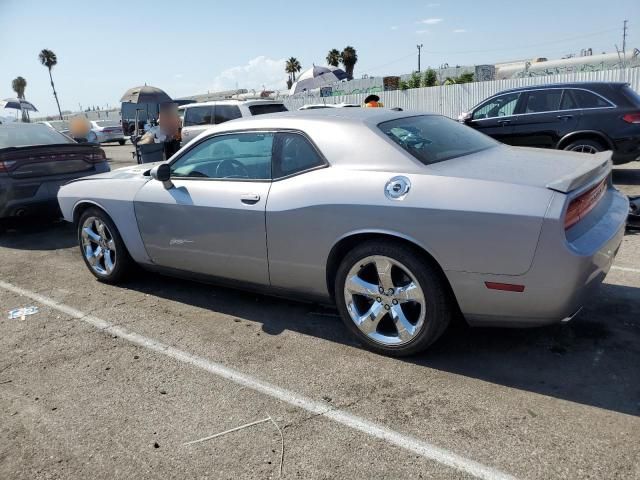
column 626, row 176
column 592, row 360
column 36, row 233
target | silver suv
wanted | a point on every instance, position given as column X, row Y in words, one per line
column 200, row 116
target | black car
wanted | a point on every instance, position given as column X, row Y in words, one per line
column 582, row 117
column 35, row 160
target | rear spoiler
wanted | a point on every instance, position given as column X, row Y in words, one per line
column 594, row 166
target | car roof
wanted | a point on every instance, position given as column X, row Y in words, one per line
column 564, row 85
column 229, row 102
column 16, row 125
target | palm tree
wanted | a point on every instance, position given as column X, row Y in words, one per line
column 49, row 60
column 19, row 84
column 349, row 57
column 292, row 67
column 333, row 57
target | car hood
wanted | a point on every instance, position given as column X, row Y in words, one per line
column 557, row 170
column 135, row 171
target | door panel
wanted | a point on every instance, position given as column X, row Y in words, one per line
column 206, row 226
column 496, row 118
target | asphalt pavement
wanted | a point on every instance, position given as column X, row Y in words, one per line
column 110, row 382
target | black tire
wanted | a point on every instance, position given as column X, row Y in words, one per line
column 585, row 145
column 122, row 142
column 122, row 262
column 439, row 309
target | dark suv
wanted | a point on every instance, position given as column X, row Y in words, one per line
column 582, row 117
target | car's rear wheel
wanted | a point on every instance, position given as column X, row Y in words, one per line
column 121, row 142
column 585, row 145
column 102, row 248
column 391, row 298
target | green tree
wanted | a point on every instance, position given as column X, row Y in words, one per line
column 465, row 78
column 414, row 80
column 50, row 60
column 292, row 67
column 429, row 79
column 402, row 85
column 19, row 84
column 333, row 57
column 349, row 58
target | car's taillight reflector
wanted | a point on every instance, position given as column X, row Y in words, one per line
column 632, row 117
column 6, row 165
column 96, row 157
column 582, row 205
column 506, row 287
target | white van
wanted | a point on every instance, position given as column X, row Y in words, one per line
column 197, row 117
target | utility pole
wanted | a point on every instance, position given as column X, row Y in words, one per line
column 420, row 48
column 624, row 42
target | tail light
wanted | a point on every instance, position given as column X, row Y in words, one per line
column 95, row 157
column 632, row 117
column 6, row 165
column 582, row 205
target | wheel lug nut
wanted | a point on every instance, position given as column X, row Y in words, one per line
column 378, row 299
column 387, row 307
column 381, row 290
column 395, row 302
column 390, row 292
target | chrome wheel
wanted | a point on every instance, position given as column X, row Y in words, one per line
column 384, row 300
column 584, row 149
column 98, row 246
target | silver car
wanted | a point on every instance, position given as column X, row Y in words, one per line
column 108, row 131
column 401, row 220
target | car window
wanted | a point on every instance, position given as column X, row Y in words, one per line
column 26, row 135
column 539, row 101
column 631, row 95
column 294, row 153
column 224, row 113
column 268, row 108
column 585, row 99
column 107, row 123
column 433, row 138
column 501, row 106
column 568, row 101
column 198, row 116
column 233, row 156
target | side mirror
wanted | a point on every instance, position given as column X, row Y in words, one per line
column 465, row 117
column 162, row 173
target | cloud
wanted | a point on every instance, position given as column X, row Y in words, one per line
column 178, row 75
column 394, row 27
column 422, row 32
column 254, row 74
column 459, row 30
column 430, row 21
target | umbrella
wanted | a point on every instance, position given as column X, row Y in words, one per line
column 317, row 77
column 145, row 94
column 18, row 104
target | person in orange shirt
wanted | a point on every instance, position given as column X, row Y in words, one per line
column 373, row 101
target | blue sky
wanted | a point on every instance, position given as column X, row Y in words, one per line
column 193, row 46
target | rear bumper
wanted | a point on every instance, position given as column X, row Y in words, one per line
column 563, row 277
column 110, row 138
column 32, row 196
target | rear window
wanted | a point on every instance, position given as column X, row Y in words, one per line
column 30, row 135
column 59, row 125
column 107, row 123
column 432, row 138
column 585, row 99
column 198, row 116
column 268, row 108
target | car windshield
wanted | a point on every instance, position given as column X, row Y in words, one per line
column 432, row 138
column 268, row 108
column 30, row 135
column 59, row 125
column 107, row 123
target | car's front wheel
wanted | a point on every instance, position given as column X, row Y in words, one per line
column 121, row 142
column 102, row 248
column 391, row 298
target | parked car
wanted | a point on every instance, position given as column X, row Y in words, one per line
column 581, row 117
column 108, row 131
column 200, row 116
column 316, row 106
column 34, row 161
column 402, row 220
column 61, row 126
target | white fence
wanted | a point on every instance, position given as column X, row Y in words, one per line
column 451, row 100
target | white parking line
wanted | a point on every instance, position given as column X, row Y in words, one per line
column 626, row 269
column 412, row 444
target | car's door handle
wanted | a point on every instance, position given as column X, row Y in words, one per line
column 504, row 122
column 565, row 117
column 250, row 198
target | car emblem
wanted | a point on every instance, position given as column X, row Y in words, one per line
column 397, row 188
